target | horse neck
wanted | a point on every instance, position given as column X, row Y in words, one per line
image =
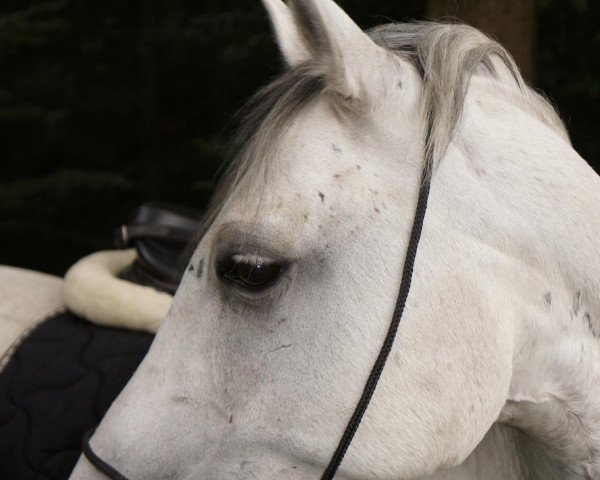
column 536, row 201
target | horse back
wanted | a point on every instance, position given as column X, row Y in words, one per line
column 26, row 297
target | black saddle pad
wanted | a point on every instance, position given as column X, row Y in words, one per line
column 59, row 383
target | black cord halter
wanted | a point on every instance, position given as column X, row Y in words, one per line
column 371, row 384
column 106, row 468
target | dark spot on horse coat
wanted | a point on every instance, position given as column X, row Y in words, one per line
column 377, row 210
column 358, row 167
column 548, row 298
column 200, row 268
column 191, row 268
column 336, row 148
column 322, row 196
column 593, row 328
column 280, row 347
column 230, row 418
column 182, row 399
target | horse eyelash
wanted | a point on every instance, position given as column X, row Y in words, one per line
column 253, row 260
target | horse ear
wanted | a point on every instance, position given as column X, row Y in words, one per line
column 289, row 40
column 339, row 48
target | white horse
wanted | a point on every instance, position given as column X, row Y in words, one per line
column 495, row 371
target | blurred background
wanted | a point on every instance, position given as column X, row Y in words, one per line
column 107, row 104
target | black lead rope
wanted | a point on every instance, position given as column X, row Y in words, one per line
column 409, row 263
column 96, row 461
column 361, row 407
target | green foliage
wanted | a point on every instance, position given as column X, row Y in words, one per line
column 61, row 210
column 568, row 66
column 32, row 27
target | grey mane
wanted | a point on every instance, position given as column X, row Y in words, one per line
column 446, row 56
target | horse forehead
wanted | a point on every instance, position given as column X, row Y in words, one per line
column 321, row 172
column 322, row 150
column 322, row 166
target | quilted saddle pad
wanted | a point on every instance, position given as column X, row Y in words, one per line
column 59, row 382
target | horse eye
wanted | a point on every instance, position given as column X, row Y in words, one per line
column 251, row 275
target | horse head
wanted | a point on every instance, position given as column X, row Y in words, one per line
column 290, row 290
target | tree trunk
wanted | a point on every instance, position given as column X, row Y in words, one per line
column 152, row 171
column 511, row 22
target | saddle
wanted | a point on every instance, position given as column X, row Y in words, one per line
column 133, row 288
column 160, row 234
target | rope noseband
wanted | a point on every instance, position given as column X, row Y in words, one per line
column 375, row 374
column 106, row 468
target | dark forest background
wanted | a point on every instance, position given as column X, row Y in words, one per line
column 107, row 104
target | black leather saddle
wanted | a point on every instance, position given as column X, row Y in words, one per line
column 161, row 233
